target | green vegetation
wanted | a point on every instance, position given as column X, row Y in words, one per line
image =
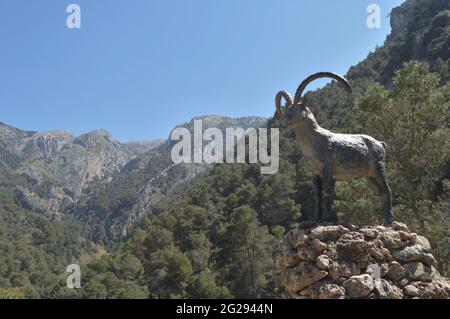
column 412, row 118
column 104, row 206
column 35, row 251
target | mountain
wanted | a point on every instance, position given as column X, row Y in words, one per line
column 114, row 208
column 142, row 147
column 105, row 184
column 57, row 165
column 223, row 122
column 58, row 191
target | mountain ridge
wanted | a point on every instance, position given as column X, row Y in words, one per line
column 64, row 172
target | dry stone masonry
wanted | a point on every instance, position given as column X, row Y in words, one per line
column 345, row 262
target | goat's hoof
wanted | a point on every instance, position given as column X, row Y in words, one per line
column 329, row 221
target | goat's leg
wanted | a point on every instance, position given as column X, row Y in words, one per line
column 381, row 179
column 317, row 182
column 328, row 196
column 374, row 185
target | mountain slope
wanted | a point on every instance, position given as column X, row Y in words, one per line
column 114, row 208
column 420, row 31
column 57, row 190
column 142, row 147
column 58, row 166
column 107, row 185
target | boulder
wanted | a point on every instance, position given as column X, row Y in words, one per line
column 422, row 241
column 411, row 290
column 323, row 262
column 400, row 226
column 418, row 271
column 369, row 233
column 396, row 271
column 318, row 246
column 307, row 254
column 415, row 253
column 302, row 276
column 327, row 290
column 387, row 290
column 359, row 286
column 391, row 239
column 343, row 270
column 353, row 246
column 286, row 260
column 325, row 233
column 435, row 290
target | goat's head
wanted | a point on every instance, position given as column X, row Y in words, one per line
column 297, row 110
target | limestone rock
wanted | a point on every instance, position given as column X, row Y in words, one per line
column 415, row 253
column 402, row 282
column 422, row 241
column 285, row 260
column 369, row 233
column 419, row 271
column 325, row 233
column 302, row 276
column 352, row 245
column 396, row 271
column 386, row 290
column 400, row 226
column 436, row 290
column 391, row 239
column 327, row 290
column 411, row 290
column 323, row 262
column 359, row 286
column 343, row 270
column 307, row 254
column 319, row 246
column 337, row 262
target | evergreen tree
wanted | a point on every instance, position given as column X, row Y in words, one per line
column 246, row 254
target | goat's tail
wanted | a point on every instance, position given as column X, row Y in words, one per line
column 384, row 144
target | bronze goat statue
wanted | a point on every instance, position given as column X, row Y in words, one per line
column 331, row 156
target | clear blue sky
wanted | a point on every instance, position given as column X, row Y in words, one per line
column 139, row 67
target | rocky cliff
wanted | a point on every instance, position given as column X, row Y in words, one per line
column 100, row 181
column 163, row 177
column 58, row 165
column 142, row 147
column 348, row 262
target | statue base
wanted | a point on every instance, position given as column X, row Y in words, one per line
column 346, row 262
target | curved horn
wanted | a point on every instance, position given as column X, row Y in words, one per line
column 302, row 87
column 287, row 97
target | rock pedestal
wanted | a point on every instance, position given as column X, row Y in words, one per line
column 345, row 262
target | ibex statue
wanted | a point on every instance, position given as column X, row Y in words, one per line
column 333, row 156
